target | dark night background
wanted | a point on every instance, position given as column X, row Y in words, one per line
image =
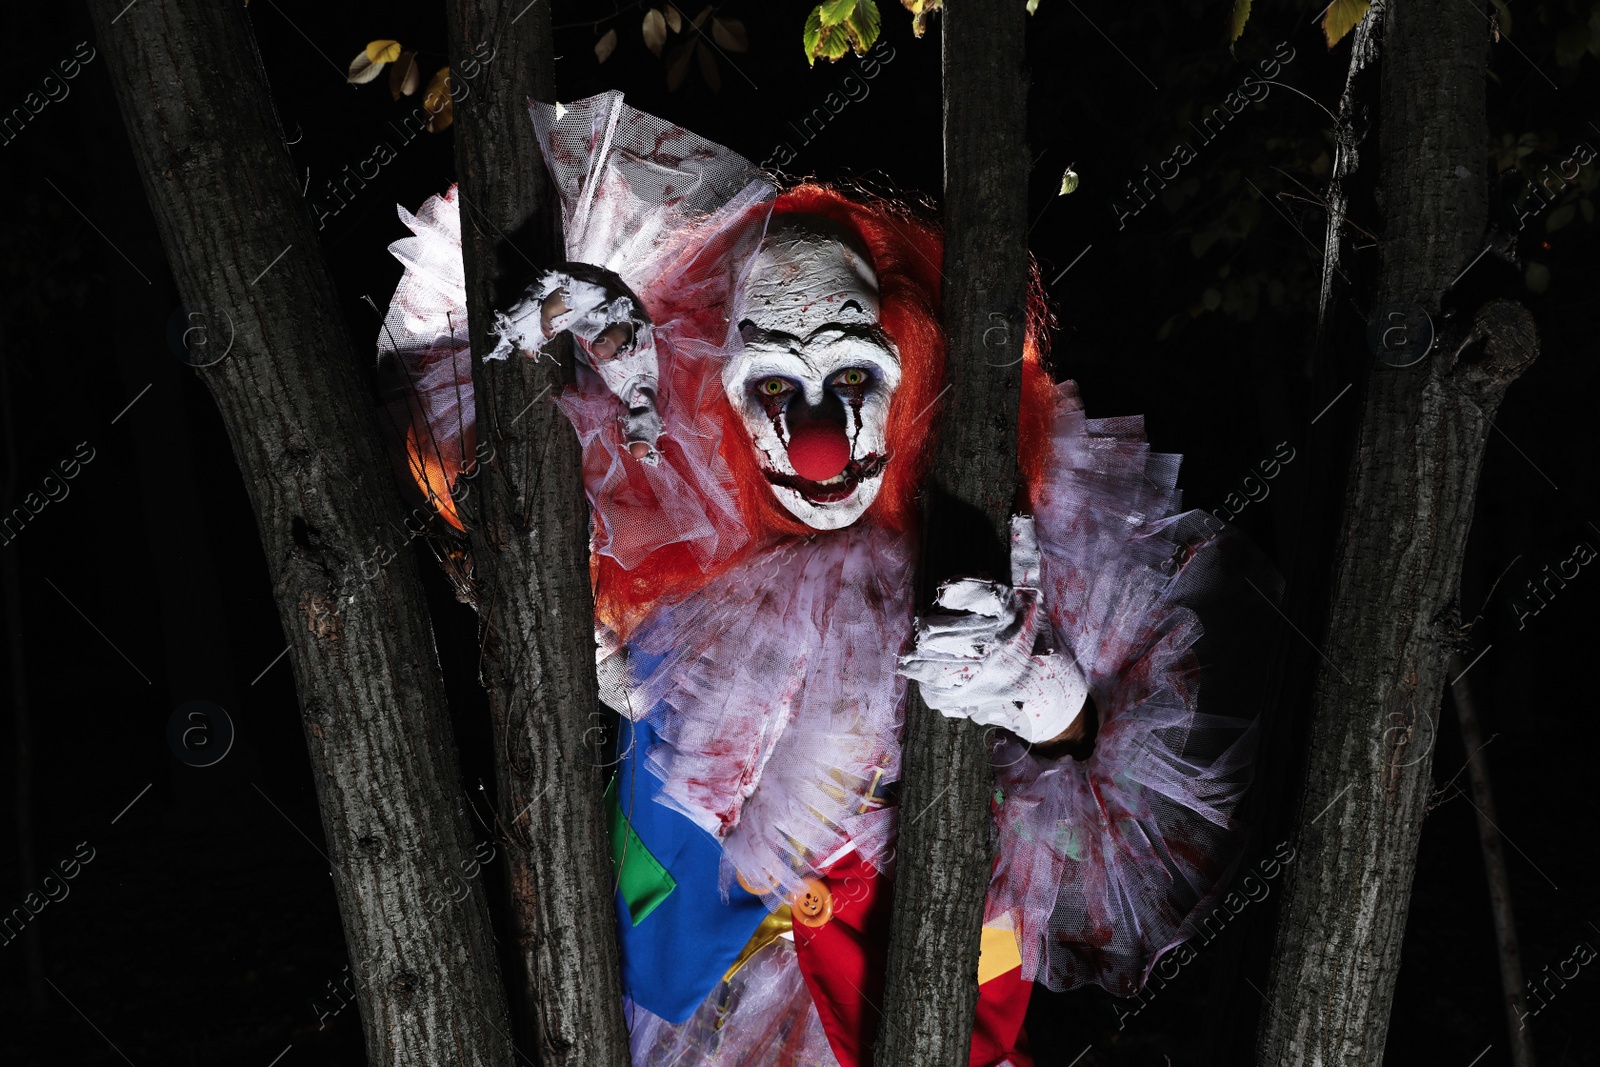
column 204, row 927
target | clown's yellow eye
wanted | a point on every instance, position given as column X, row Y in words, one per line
column 853, row 377
column 773, row 386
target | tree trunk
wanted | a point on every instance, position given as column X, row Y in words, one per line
column 1494, row 867
column 530, row 555
column 1407, row 508
column 945, row 855
column 246, row 258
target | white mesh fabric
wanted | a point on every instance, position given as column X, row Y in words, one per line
column 630, row 183
column 423, row 343
column 680, row 220
column 777, row 702
column 777, row 696
column 763, row 1017
column 1105, row 862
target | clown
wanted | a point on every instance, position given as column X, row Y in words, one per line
column 758, row 368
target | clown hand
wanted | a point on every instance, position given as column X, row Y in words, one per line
column 614, row 334
column 981, row 661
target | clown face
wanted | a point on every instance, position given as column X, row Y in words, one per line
column 814, row 381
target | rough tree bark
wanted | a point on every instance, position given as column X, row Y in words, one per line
column 530, row 556
column 246, row 259
column 1407, row 508
column 931, row 987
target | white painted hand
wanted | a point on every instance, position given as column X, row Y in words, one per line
column 614, row 334
column 983, row 664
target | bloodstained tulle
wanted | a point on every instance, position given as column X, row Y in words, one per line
column 772, row 685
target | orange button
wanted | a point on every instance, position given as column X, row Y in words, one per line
column 813, row 905
column 748, row 888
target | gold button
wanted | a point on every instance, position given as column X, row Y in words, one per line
column 813, row 905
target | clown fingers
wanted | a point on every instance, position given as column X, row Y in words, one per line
column 983, row 664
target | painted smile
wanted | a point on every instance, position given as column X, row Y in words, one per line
column 839, row 487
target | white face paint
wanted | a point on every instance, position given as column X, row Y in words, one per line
column 817, row 372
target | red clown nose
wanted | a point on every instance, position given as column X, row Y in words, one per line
column 818, row 450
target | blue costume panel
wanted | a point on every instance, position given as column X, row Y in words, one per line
column 677, row 951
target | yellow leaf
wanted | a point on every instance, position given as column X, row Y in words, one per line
column 404, row 76
column 441, row 122
column 1236, row 21
column 383, row 51
column 730, row 34
column 605, row 46
column 436, row 101
column 1033, row 6
column 1341, row 17
column 362, row 69
column 920, row 10
column 654, row 30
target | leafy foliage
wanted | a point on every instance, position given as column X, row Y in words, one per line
column 405, row 77
column 1341, row 17
column 1236, row 21
column 922, row 10
column 840, row 26
column 436, row 101
column 696, row 50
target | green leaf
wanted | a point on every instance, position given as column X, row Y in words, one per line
column 826, row 42
column 1033, row 6
column 1069, row 182
column 1341, row 18
column 1571, row 44
column 834, row 12
column 1200, row 243
column 1536, row 277
column 1236, row 21
column 1560, row 217
column 863, row 25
